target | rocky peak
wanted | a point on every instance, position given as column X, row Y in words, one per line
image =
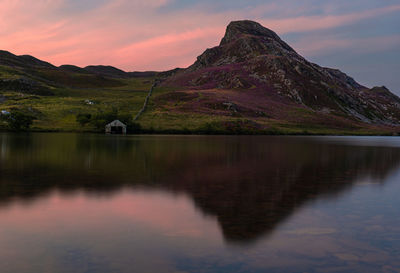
column 237, row 29
column 250, row 29
column 244, row 41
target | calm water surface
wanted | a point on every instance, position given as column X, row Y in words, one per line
column 93, row 203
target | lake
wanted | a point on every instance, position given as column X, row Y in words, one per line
column 94, row 203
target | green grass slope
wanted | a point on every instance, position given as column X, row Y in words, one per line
column 71, row 94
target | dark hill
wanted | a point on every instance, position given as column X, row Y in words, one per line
column 109, row 71
column 73, row 68
column 29, row 75
column 24, row 61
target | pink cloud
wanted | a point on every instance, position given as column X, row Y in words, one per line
column 180, row 47
column 135, row 35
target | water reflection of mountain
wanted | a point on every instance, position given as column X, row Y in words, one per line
column 251, row 184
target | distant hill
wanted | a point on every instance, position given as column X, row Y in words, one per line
column 109, row 71
column 33, row 76
column 24, row 61
column 73, row 68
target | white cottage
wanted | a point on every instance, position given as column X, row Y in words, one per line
column 116, row 127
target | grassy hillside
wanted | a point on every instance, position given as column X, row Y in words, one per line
column 56, row 96
column 71, row 94
column 174, row 110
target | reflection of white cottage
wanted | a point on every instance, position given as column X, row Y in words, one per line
column 116, row 127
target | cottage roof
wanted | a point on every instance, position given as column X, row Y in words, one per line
column 116, row 123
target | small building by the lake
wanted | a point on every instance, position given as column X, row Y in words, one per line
column 116, row 127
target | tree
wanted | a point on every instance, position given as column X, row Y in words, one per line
column 83, row 119
column 100, row 119
column 18, row 120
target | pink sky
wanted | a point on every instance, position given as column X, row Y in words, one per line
column 140, row 35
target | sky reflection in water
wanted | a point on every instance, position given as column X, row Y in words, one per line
column 83, row 203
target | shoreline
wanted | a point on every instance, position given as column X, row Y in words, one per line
column 173, row 132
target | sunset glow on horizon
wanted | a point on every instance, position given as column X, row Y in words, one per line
column 163, row 34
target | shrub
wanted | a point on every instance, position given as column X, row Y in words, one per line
column 83, row 119
column 19, row 121
column 101, row 119
column 133, row 127
column 210, row 128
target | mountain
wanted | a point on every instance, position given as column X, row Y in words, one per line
column 251, row 83
column 254, row 74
